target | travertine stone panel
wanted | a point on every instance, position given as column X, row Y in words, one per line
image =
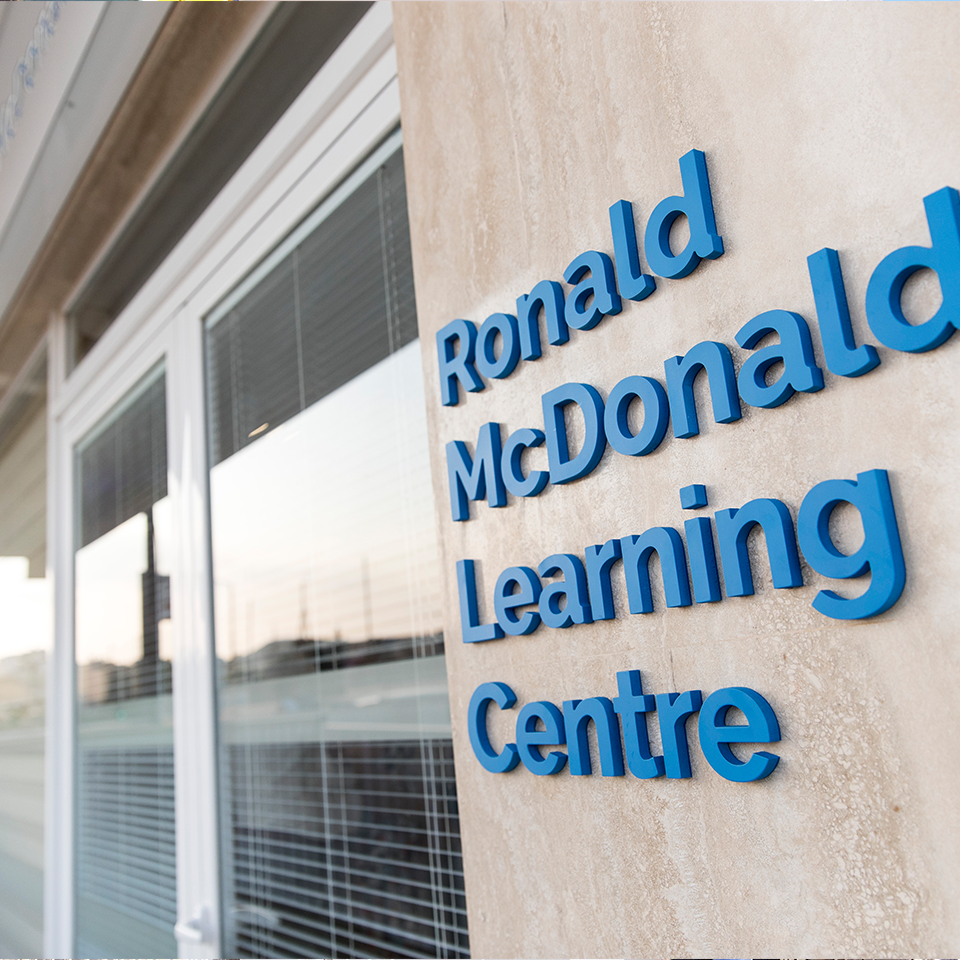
column 823, row 125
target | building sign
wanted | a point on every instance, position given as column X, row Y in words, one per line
column 568, row 590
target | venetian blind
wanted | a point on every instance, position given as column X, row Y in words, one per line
column 333, row 300
column 126, row 855
column 347, row 850
column 123, row 467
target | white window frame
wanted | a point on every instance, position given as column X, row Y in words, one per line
column 348, row 107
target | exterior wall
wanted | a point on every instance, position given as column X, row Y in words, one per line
column 97, row 129
column 824, row 126
column 67, row 68
column 23, row 481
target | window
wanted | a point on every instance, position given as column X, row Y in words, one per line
column 251, row 751
column 339, row 822
column 125, row 837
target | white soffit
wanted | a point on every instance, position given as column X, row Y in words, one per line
column 83, row 70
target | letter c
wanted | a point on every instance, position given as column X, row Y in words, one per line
column 510, row 466
column 504, row 698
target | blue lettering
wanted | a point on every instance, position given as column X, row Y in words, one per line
column 733, row 528
column 542, row 724
column 562, row 468
column 843, row 356
column 633, row 705
column 795, row 350
column 633, row 283
column 577, row 714
column 681, row 372
column 477, row 477
column 494, row 367
column 715, row 734
column 483, row 696
column 457, row 366
column 637, row 551
column 656, row 414
column 594, row 297
column 547, row 295
column 696, row 205
column 572, row 591
column 506, row 599
column 884, row 309
column 881, row 552
column 472, row 629
column 674, row 709
column 511, row 467
column 599, row 560
column 530, row 738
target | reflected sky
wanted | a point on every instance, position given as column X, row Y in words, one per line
column 26, row 634
column 324, row 527
column 109, row 590
column 27, row 605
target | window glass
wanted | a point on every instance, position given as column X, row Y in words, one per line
column 25, row 638
column 340, row 827
column 125, row 840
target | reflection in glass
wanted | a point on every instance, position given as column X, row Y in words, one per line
column 123, row 612
column 327, row 531
column 126, row 879
column 341, row 834
column 26, row 631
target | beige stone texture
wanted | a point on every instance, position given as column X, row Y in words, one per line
column 823, row 125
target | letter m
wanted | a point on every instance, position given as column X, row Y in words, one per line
column 476, row 478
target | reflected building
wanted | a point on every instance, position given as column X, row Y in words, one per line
column 22, row 681
column 288, row 658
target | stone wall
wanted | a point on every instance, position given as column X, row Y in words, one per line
column 823, row 125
